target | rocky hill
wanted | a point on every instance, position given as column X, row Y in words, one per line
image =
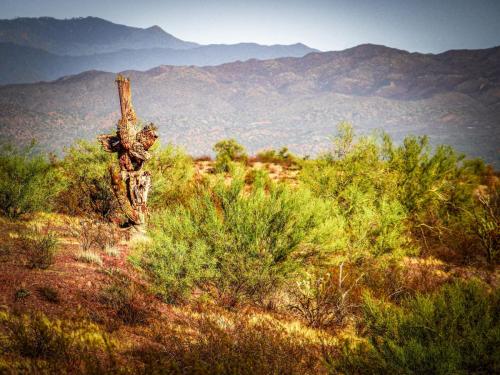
column 454, row 97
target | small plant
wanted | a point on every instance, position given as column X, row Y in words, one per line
column 112, row 251
column 49, row 294
column 22, row 294
column 89, row 257
column 39, row 247
column 123, row 298
column 325, row 300
column 104, row 235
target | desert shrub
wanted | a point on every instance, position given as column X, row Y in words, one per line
column 39, row 247
column 283, row 156
column 453, row 331
column 482, row 220
column 326, row 299
column 425, row 179
column 49, row 346
column 258, row 177
column 93, row 233
column 227, row 151
column 172, row 172
column 21, row 294
column 49, row 294
column 28, row 182
column 355, row 179
column 88, row 191
column 242, row 347
column 244, row 244
column 450, row 201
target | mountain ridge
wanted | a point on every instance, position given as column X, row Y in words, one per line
column 44, row 49
column 294, row 102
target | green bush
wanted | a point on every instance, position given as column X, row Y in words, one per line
column 85, row 173
column 454, row 331
column 227, row 151
column 172, row 172
column 245, row 244
column 371, row 221
column 28, row 182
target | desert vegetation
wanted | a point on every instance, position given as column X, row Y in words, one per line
column 371, row 258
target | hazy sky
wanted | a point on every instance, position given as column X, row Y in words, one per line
column 414, row 25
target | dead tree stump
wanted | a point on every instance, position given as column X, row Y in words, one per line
column 130, row 183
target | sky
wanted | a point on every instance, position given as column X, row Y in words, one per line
column 413, row 25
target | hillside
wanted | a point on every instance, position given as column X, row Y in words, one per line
column 454, row 97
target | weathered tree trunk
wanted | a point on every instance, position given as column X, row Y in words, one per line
column 131, row 184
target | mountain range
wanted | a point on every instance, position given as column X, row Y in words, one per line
column 294, row 101
column 43, row 49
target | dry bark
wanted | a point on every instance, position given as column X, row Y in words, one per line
column 130, row 183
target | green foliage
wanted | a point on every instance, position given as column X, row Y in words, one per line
column 85, row 172
column 28, row 182
column 172, row 173
column 245, row 244
column 227, row 151
column 454, row 331
column 425, row 180
column 362, row 190
column 482, row 220
column 22, row 294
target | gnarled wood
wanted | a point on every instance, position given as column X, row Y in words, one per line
column 131, row 184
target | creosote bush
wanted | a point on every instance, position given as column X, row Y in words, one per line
column 456, row 330
column 243, row 244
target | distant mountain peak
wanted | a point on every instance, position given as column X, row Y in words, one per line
column 84, row 35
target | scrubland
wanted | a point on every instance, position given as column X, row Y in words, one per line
column 371, row 258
